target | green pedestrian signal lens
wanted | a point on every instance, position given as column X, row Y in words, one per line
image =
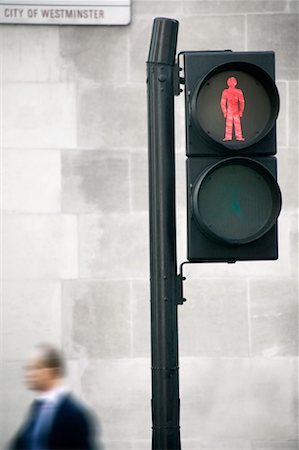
column 236, row 201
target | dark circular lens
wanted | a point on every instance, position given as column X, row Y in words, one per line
column 236, row 201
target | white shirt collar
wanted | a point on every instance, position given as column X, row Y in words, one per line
column 53, row 395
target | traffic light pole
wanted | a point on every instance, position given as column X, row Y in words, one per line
column 163, row 259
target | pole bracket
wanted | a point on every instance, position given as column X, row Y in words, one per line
column 177, row 80
column 179, row 284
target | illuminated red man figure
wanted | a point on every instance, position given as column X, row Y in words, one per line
column 232, row 104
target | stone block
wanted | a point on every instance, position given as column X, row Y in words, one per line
column 107, row 117
column 181, row 194
column 141, row 444
column 23, row 305
column 31, row 181
column 139, row 181
column 15, row 399
column 74, row 370
column 119, row 391
column 166, row 8
column 213, row 321
column 31, row 53
column 39, row 115
column 226, row 403
column 276, row 32
column 228, row 444
column 180, row 137
column 288, row 178
column 95, row 181
column 141, row 317
column 274, row 317
column 198, row 33
column 114, row 246
column 181, row 229
column 233, row 7
column 282, row 119
column 117, row 445
column 96, row 319
column 276, row 445
column 99, row 54
column 292, row 6
column 293, row 113
column 39, row 247
column 294, row 248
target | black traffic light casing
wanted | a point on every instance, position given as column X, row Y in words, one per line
column 233, row 199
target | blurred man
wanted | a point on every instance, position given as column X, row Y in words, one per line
column 56, row 420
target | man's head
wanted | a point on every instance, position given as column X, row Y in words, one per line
column 45, row 368
column 232, row 82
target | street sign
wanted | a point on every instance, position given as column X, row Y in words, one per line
column 66, row 12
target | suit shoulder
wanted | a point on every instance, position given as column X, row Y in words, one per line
column 73, row 422
column 72, row 405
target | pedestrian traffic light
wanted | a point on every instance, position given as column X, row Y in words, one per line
column 233, row 199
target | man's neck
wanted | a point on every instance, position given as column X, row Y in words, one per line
column 56, row 391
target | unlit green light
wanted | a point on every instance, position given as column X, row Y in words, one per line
column 236, row 207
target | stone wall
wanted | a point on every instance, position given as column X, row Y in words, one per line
column 75, row 234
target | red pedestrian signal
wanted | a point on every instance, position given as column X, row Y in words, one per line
column 232, row 104
column 233, row 197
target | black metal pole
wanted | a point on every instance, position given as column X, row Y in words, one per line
column 163, row 263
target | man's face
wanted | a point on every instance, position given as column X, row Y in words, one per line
column 37, row 376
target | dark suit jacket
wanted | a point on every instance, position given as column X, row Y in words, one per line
column 71, row 429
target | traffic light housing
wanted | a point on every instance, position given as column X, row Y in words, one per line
column 233, row 199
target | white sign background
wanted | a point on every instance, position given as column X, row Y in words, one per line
column 66, row 12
